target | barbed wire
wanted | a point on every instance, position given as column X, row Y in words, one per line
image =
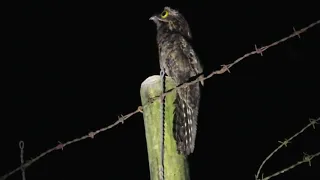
column 62, row 145
column 225, row 68
column 306, row 159
column 162, row 126
column 21, row 146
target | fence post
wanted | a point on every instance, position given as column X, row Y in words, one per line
column 175, row 165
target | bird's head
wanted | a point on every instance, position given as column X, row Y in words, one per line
column 171, row 20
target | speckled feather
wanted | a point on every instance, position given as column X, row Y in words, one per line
column 178, row 59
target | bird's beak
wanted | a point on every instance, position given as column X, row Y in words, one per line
column 153, row 18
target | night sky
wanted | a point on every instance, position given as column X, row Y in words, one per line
column 74, row 67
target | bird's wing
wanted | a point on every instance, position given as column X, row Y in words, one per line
column 191, row 56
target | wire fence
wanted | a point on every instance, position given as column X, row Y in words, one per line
column 224, row 68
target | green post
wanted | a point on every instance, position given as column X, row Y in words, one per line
column 175, row 165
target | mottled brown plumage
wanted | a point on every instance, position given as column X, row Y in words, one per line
column 180, row 62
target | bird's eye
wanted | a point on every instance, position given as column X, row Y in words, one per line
column 164, row 14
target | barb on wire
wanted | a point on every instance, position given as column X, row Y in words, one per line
column 62, row 145
column 225, row 68
column 307, row 158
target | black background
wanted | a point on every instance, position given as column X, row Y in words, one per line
column 74, row 67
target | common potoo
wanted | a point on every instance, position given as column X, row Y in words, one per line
column 179, row 61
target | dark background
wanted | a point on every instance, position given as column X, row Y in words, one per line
column 74, row 67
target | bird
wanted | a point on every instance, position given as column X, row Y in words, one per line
column 179, row 61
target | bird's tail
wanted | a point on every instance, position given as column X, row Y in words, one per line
column 186, row 117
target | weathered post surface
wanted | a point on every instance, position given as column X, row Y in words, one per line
column 175, row 165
